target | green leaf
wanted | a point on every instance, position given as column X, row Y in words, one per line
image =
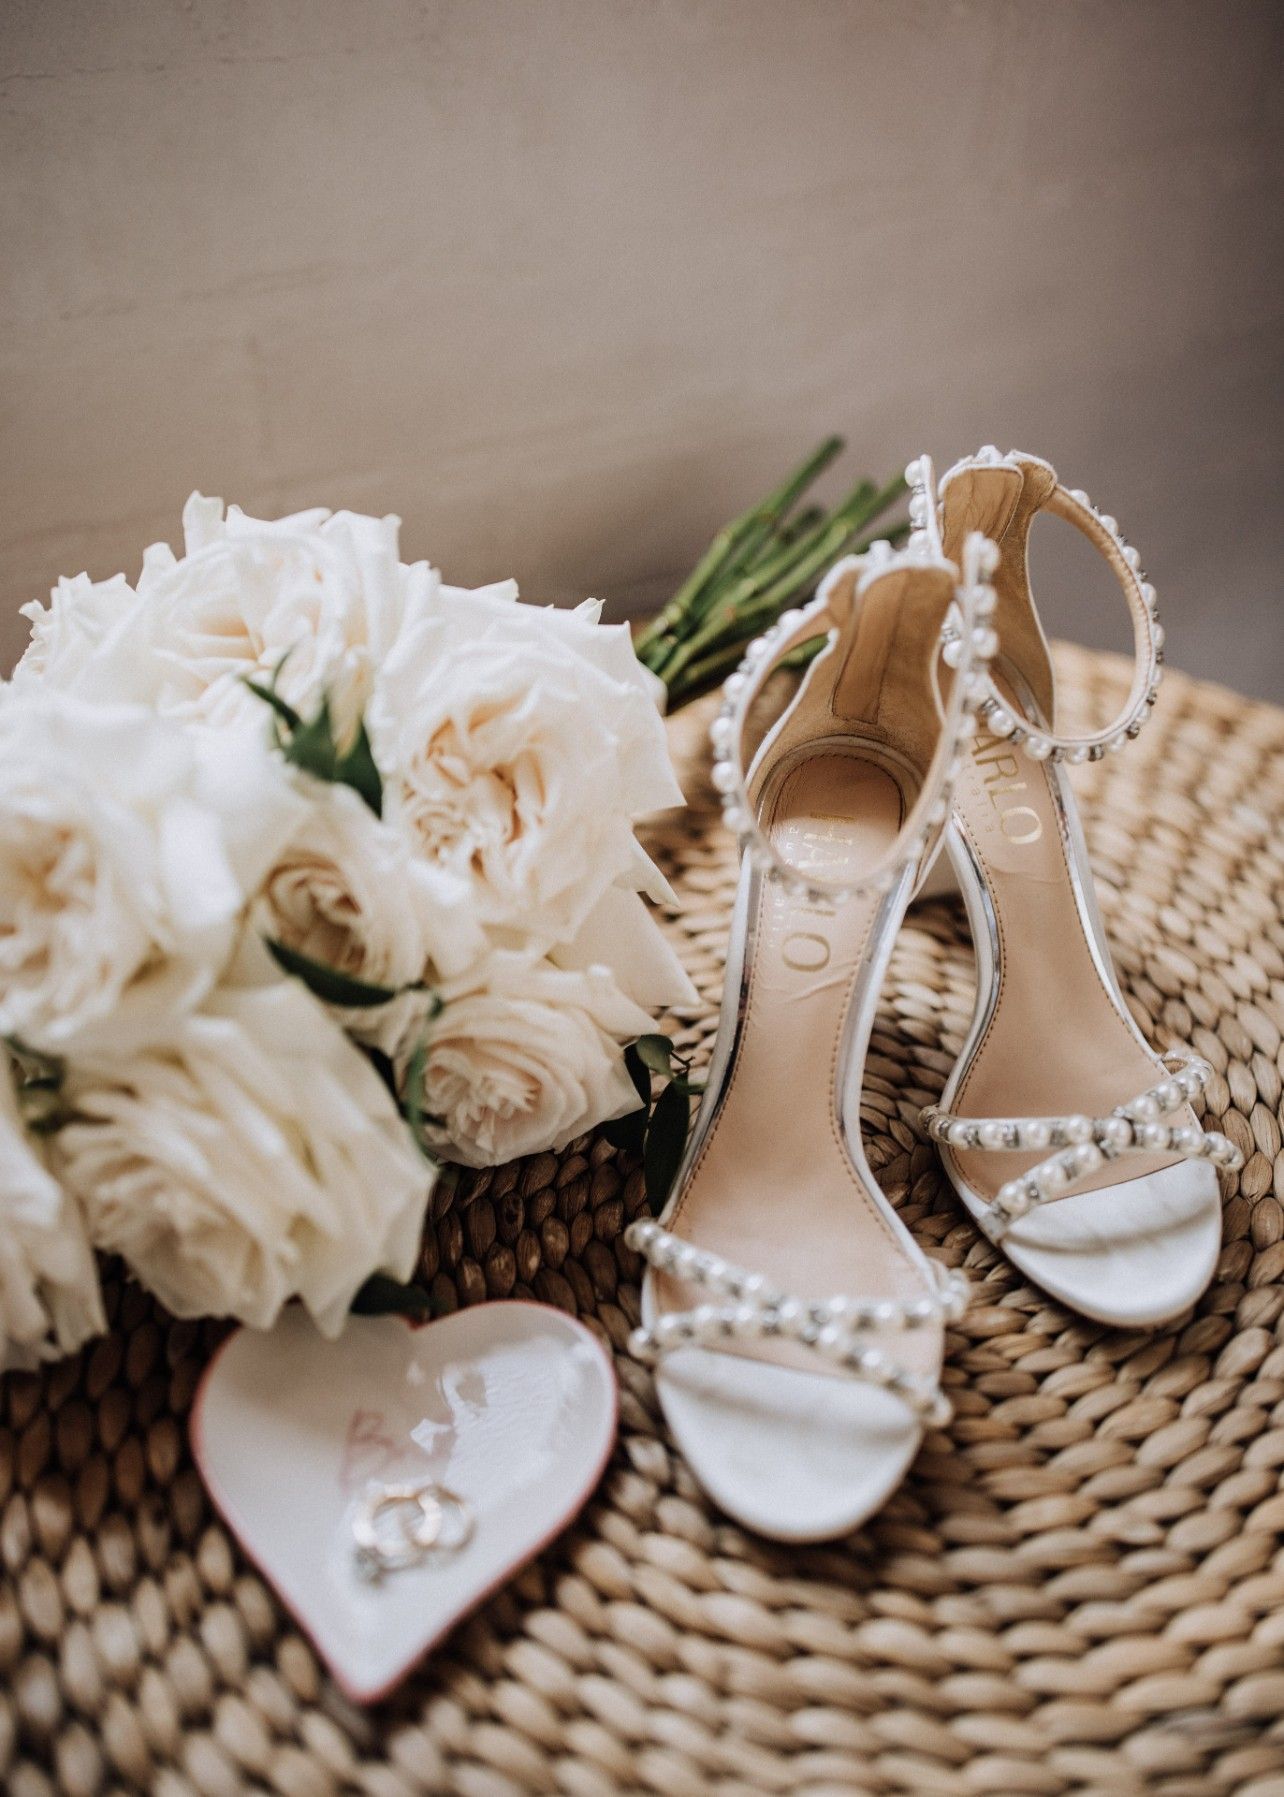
column 638, row 1074
column 665, row 1141
column 655, row 1052
column 627, row 1133
column 328, row 983
column 287, row 714
column 382, row 1296
column 412, row 1087
column 312, row 746
column 357, row 768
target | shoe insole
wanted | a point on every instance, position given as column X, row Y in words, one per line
column 1056, row 1044
column 774, row 1189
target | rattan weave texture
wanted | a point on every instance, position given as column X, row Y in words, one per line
column 1079, row 1589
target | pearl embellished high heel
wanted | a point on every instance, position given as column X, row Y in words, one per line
column 796, row 1329
column 1069, row 1140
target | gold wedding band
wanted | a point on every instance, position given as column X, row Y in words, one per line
column 428, row 1517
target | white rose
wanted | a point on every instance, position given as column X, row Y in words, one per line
column 76, row 630
column 128, row 850
column 519, row 762
column 50, row 1300
column 255, row 1158
column 523, row 1057
column 348, row 892
column 315, row 601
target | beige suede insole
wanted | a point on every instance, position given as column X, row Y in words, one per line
column 774, row 1189
column 1056, row 1044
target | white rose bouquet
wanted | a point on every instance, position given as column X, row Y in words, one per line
column 313, row 871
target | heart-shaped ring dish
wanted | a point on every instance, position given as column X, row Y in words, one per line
column 511, row 1406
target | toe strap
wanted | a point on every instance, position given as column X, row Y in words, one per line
column 1081, row 1144
column 746, row 1306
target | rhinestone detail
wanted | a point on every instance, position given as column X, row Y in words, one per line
column 1082, row 1144
column 748, row 1307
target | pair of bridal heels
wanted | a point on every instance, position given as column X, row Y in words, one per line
column 796, row 1329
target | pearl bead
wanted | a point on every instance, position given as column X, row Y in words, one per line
column 1077, row 1129
column 1168, row 1095
column 832, row 1340
column 747, row 1319
column 1038, row 748
column 1080, row 497
column 1000, row 722
column 1109, row 523
column 790, row 1313
column 1152, row 1135
column 1036, row 1134
column 1088, row 1158
column 914, row 472
column 992, row 1135
column 734, row 685
column 668, row 1331
column 1188, row 1139
column 640, row 1345
column 1132, row 558
column 1115, row 1131
column 755, row 1286
column 725, row 778
column 1145, row 1109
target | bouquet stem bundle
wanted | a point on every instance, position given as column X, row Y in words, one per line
column 756, row 567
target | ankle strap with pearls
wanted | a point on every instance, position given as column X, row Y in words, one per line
column 997, row 712
column 1083, row 1144
column 753, row 1309
column 974, row 641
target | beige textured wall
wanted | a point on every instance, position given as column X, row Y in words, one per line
column 564, row 281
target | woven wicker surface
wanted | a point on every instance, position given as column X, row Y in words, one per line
column 1079, row 1589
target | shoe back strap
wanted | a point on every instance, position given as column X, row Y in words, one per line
column 833, row 616
column 1001, row 495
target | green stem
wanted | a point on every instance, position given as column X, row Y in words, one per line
column 757, row 598
column 699, row 675
column 725, row 551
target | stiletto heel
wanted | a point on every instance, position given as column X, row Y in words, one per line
column 1068, row 1139
column 796, row 1329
